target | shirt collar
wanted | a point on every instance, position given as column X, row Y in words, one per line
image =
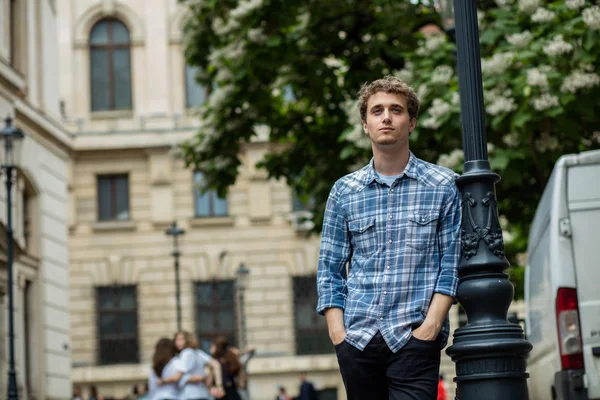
column 411, row 169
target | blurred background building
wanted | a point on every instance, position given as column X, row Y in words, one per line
column 128, row 99
column 29, row 94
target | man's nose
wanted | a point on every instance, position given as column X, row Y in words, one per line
column 387, row 116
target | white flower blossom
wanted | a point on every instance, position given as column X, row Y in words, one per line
column 520, row 40
column 499, row 101
column 557, row 46
column 342, row 35
column 546, row 142
column 356, row 135
column 504, row 3
column 224, row 74
column 591, row 17
column 480, row 19
column 529, row 6
column 542, row 15
column 431, row 44
column 302, row 21
column 537, row 78
column 405, row 74
column 575, row 4
column 257, row 35
column 578, row 80
column 511, row 139
column 452, row 159
column 455, row 99
column 244, row 8
column 438, row 109
column 497, row 64
column 422, row 92
column 442, row 74
column 544, row 102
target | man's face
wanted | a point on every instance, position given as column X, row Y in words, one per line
column 388, row 122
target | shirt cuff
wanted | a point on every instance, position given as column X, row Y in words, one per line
column 331, row 302
column 446, row 285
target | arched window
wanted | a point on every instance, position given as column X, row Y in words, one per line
column 110, row 66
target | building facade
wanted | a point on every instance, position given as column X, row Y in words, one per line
column 29, row 95
column 129, row 99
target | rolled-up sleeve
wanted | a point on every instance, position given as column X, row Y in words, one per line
column 449, row 243
column 334, row 254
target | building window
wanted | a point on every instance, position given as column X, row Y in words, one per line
column 113, row 198
column 195, row 93
column 208, row 204
column 215, row 312
column 312, row 335
column 110, row 63
column 117, row 324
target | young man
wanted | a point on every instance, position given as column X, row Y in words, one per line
column 396, row 222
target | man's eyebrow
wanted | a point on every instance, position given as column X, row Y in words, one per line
column 391, row 105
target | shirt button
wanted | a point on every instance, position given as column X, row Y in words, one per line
column 391, row 190
column 381, row 318
column 390, row 241
column 390, row 217
column 388, row 267
column 385, row 292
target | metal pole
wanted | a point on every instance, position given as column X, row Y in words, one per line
column 489, row 352
column 13, row 393
column 177, row 290
column 242, row 321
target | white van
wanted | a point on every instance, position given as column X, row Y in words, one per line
column 562, row 283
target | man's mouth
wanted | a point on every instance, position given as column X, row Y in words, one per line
column 386, row 129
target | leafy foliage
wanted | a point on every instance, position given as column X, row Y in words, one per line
column 288, row 72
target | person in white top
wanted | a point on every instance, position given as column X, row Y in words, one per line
column 164, row 364
column 190, row 371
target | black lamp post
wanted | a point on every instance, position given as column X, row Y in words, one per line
column 489, row 352
column 242, row 283
column 175, row 232
column 12, row 139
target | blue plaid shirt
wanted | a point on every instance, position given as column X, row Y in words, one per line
column 402, row 244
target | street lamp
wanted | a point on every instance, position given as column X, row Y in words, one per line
column 175, row 232
column 12, row 139
column 489, row 352
column 242, row 283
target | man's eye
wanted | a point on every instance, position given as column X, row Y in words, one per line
column 377, row 111
column 397, row 110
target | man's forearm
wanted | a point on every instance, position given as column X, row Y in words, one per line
column 438, row 310
column 335, row 324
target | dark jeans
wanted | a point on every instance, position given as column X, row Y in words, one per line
column 378, row 374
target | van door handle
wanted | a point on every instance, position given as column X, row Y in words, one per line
column 596, row 351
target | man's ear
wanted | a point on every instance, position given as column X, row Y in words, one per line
column 365, row 127
column 413, row 124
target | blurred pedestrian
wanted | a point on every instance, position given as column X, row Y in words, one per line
column 441, row 389
column 164, row 364
column 93, row 393
column 77, row 392
column 190, row 371
column 307, row 390
column 282, row 394
column 231, row 368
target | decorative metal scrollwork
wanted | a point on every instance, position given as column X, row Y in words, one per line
column 493, row 240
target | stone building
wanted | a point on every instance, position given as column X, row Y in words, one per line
column 29, row 95
column 128, row 99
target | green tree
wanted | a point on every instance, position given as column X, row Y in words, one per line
column 289, row 71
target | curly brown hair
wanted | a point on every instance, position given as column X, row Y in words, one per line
column 163, row 353
column 388, row 84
